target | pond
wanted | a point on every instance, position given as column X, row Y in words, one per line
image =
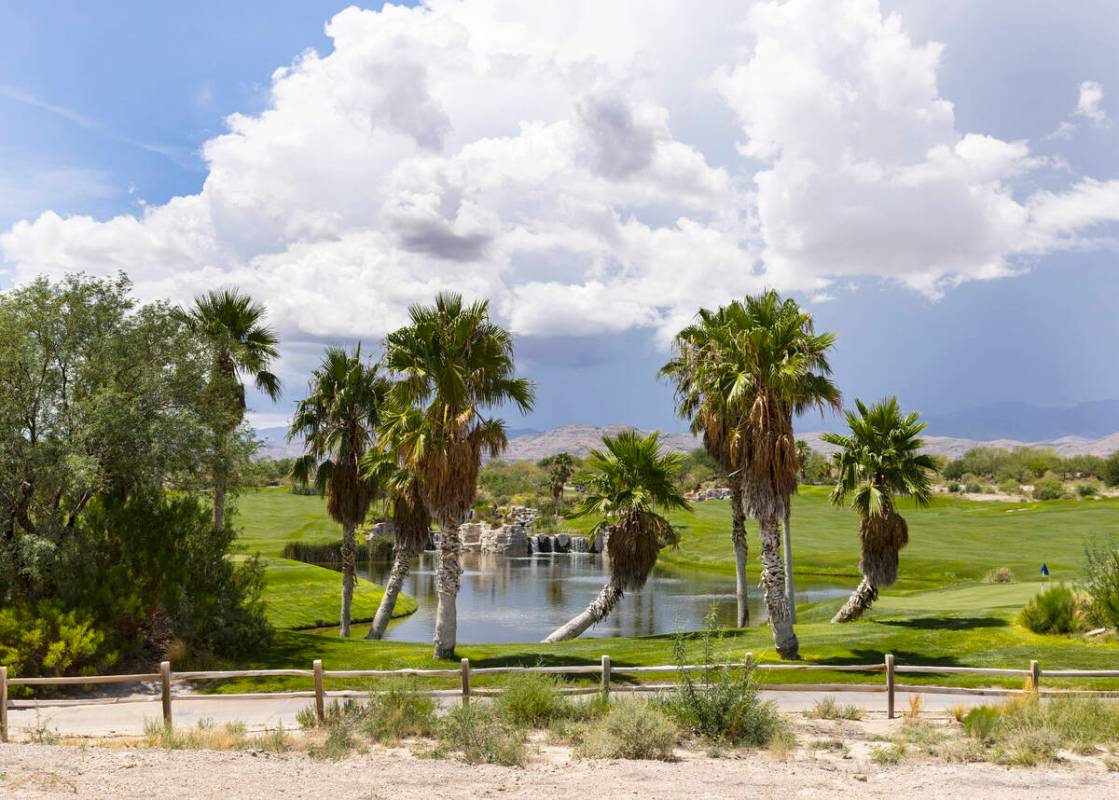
column 523, row 599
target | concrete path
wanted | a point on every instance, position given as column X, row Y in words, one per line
column 79, row 718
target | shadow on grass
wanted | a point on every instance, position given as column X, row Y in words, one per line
column 946, row 623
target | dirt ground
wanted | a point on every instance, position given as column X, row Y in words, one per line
column 43, row 771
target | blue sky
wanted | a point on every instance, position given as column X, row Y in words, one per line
column 391, row 164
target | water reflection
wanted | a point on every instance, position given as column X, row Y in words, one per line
column 524, row 599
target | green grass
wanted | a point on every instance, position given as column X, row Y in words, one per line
column 940, row 613
column 298, row 595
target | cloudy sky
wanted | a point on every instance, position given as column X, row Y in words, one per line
column 937, row 182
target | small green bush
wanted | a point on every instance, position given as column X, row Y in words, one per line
column 828, row 708
column 720, row 704
column 980, row 722
column 43, row 640
column 531, row 699
column 481, row 737
column 953, row 487
column 397, row 714
column 1101, row 582
column 974, row 488
column 887, row 755
column 1010, row 486
column 1086, row 490
column 1052, row 611
column 633, row 729
column 1049, row 488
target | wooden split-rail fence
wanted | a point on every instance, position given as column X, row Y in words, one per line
column 1031, row 677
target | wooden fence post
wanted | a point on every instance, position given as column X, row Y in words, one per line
column 465, row 682
column 165, row 686
column 320, row 695
column 606, row 677
column 1035, row 675
column 889, row 685
column 3, row 704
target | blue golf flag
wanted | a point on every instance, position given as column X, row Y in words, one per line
column 1045, row 569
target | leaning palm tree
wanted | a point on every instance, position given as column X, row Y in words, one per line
column 452, row 364
column 698, row 370
column 411, row 524
column 630, row 482
column 560, row 468
column 230, row 324
column 879, row 460
column 338, row 422
column 777, row 366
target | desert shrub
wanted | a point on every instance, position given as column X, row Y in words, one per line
column 953, row 487
column 1049, row 488
column 974, row 488
column 963, row 751
column 481, row 736
column 887, row 755
column 397, row 714
column 632, row 729
column 980, row 722
column 306, row 718
column 531, row 699
column 1000, row 575
column 1101, row 582
column 1051, row 611
column 43, row 640
column 1010, row 486
column 1086, row 490
column 828, row 708
column 721, row 704
column 1110, row 470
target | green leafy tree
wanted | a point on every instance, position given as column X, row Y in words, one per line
column 560, row 469
column 1110, row 474
column 628, row 484
column 239, row 345
column 453, row 363
column 338, row 423
column 879, row 460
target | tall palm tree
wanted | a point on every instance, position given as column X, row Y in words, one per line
column 630, row 482
column 560, row 468
column 777, row 367
column 698, row 369
column 240, row 344
column 338, row 422
column 411, row 523
column 453, row 363
column 879, row 460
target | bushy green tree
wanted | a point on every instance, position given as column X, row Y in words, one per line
column 1110, row 470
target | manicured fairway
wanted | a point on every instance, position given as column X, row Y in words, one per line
column 298, row 595
column 940, row 613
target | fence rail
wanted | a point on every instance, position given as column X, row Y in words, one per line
column 606, row 670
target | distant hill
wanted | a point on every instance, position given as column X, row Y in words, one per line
column 580, row 439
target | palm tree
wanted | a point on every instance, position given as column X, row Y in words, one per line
column 629, row 483
column 411, row 523
column 698, row 369
column 240, row 345
column 777, row 367
column 878, row 461
column 338, row 422
column 453, row 363
column 560, row 468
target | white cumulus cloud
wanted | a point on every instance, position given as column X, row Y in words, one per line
column 592, row 168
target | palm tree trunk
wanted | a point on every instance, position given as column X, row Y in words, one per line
column 741, row 550
column 401, row 563
column 597, row 611
column 860, row 600
column 790, row 589
column 448, row 576
column 773, row 586
column 349, row 577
